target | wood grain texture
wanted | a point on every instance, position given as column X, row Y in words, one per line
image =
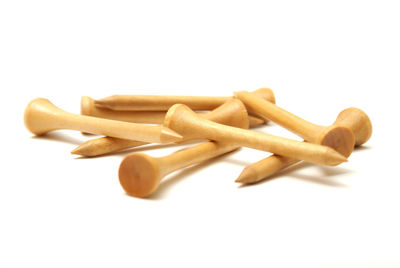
column 352, row 118
column 162, row 103
column 182, row 119
column 140, row 174
column 338, row 137
column 89, row 108
column 222, row 114
column 147, row 117
column 41, row 116
column 232, row 112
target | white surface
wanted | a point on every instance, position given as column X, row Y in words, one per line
column 61, row 211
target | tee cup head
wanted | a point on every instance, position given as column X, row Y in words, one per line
column 139, row 175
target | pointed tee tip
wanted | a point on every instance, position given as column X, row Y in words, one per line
column 168, row 135
column 75, row 151
column 248, row 175
column 336, row 158
column 83, row 150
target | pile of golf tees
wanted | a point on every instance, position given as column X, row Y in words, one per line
column 127, row 121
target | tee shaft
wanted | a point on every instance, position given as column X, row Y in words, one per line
column 42, row 116
column 352, row 118
column 232, row 112
column 268, row 110
column 140, row 174
column 184, row 120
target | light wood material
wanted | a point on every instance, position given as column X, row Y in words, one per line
column 338, row 137
column 158, row 102
column 41, row 116
column 180, row 118
column 140, row 174
column 161, row 103
column 232, row 113
column 89, row 108
column 104, row 145
column 359, row 123
column 148, row 117
column 352, row 118
column 255, row 121
column 222, row 115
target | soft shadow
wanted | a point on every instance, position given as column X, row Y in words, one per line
column 260, row 126
column 141, row 148
column 88, row 134
column 83, row 156
column 238, row 162
column 169, row 182
column 283, row 172
column 144, row 199
column 150, row 147
column 324, row 179
column 362, row 148
column 59, row 137
column 333, row 171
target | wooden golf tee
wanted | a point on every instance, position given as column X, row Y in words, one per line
column 89, row 108
column 180, row 118
column 220, row 115
column 41, row 116
column 352, row 118
column 140, row 174
column 159, row 103
column 338, row 137
column 232, row 112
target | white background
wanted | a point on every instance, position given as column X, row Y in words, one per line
column 59, row 210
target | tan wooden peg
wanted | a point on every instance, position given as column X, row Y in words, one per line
column 352, row 118
column 231, row 113
column 162, row 103
column 41, row 116
column 359, row 123
column 223, row 115
column 89, row 108
column 140, row 174
column 182, row 119
column 338, row 137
